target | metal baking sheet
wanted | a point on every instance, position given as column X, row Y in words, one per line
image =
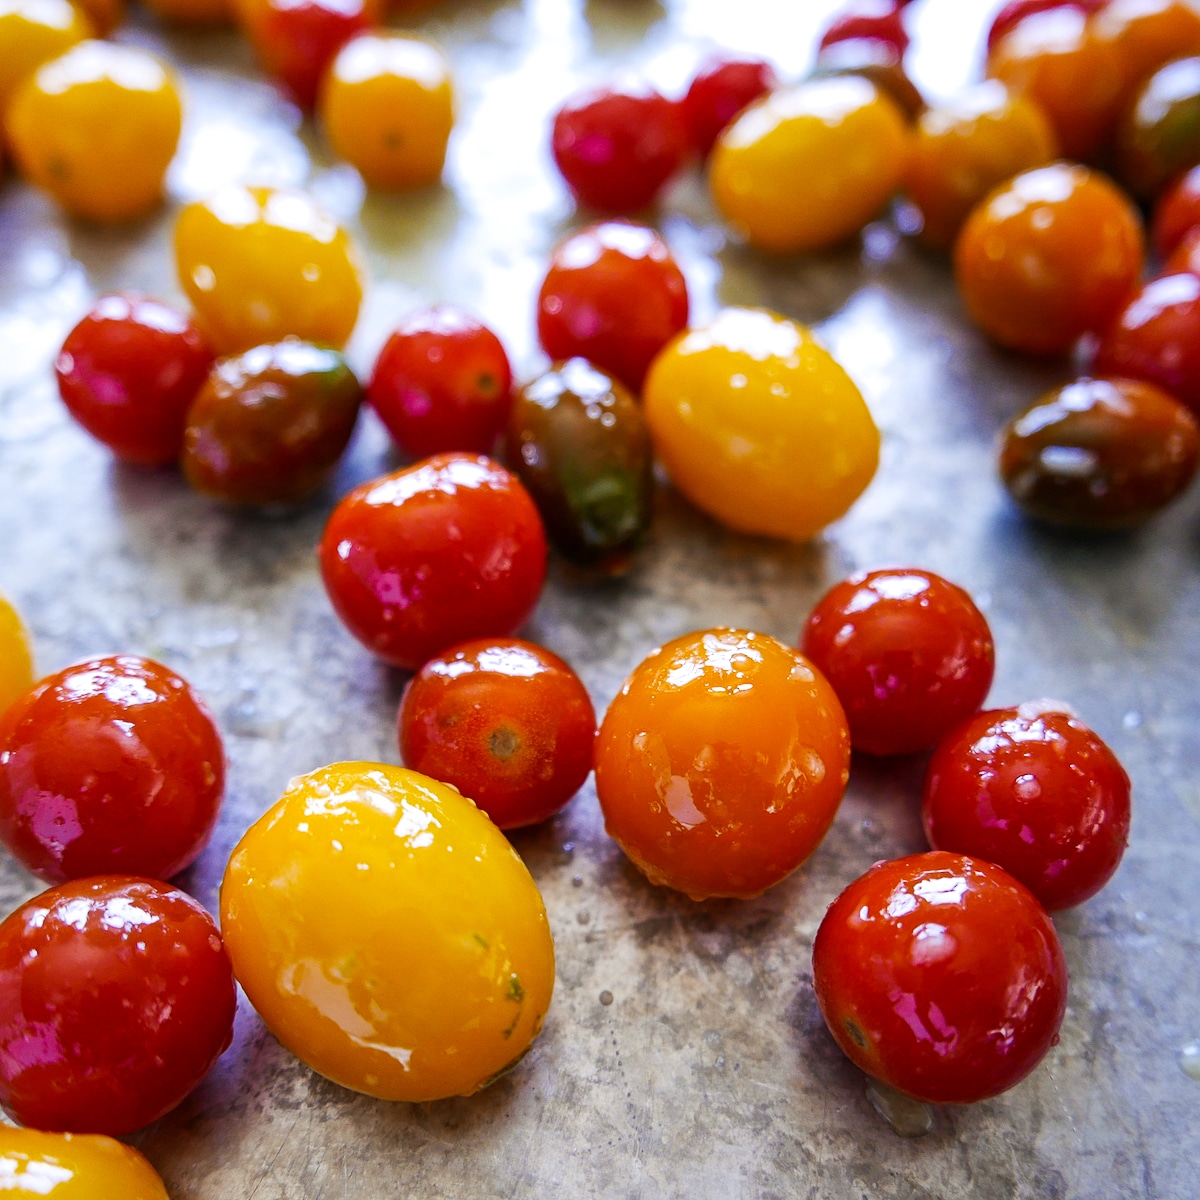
column 684, row 1054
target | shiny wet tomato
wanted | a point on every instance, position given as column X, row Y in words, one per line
column 723, row 86
column 1035, row 791
column 116, row 997
column 33, row 32
column 1048, row 256
column 1159, row 136
column 1147, row 34
column 74, row 1166
column 879, row 20
column 721, row 763
column 260, row 264
column 442, row 382
column 614, row 296
column 908, row 654
column 128, row 373
column 506, row 722
column 16, row 658
column 112, row 765
column 97, row 129
column 449, row 549
column 759, row 426
column 942, row 976
column 617, row 148
column 1013, row 13
column 387, row 933
column 1177, row 212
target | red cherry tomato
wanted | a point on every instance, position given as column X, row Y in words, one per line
column 448, row 549
column 617, row 148
column 880, row 20
column 506, row 722
column 1011, row 15
column 908, row 654
column 722, row 88
column 1185, row 258
column 116, row 997
column 109, row 766
column 442, row 382
column 128, row 372
column 1177, row 213
column 614, row 296
column 942, row 976
column 1036, row 792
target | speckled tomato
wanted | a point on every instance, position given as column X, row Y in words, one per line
column 112, row 765
column 16, row 658
column 128, row 373
column 613, row 295
column 116, row 997
column 908, row 654
column 1159, row 136
column 721, row 763
column 1035, row 791
column 723, row 86
column 387, row 933
column 449, row 549
column 1052, row 254
column 942, row 976
column 842, row 136
column 260, row 264
column 759, row 426
column 506, row 722
column 1177, row 212
column 97, row 129
column 33, row 32
column 74, row 1166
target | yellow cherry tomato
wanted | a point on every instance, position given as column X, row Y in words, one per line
column 388, row 106
column 388, row 934
column 97, row 129
column 759, row 426
column 808, row 166
column 73, row 1166
column 966, row 147
column 16, row 661
column 194, row 12
column 33, row 32
column 260, row 264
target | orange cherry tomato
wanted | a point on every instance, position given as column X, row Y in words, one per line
column 721, row 763
column 33, row 32
column 74, row 1166
column 388, row 934
column 16, row 661
column 1147, row 34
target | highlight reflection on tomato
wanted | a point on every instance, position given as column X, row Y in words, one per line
column 74, row 1166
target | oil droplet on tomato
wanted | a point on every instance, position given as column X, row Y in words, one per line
column 908, row 1117
column 1189, row 1060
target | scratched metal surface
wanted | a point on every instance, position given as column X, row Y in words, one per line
column 707, row 1073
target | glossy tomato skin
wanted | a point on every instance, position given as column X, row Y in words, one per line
column 908, row 654
column 112, row 765
column 1177, row 212
column 73, row 1166
column 1159, row 135
column 1147, row 34
column 506, row 722
column 1013, row 13
column 1100, row 453
column 722, row 88
column 617, row 148
column 128, row 373
column 269, row 425
column 16, row 657
column 449, row 549
column 442, row 382
column 879, row 21
column 116, row 997
column 1050, row 255
column 578, row 441
column 721, row 763
column 613, row 295
column 878, row 61
column 1035, row 791
column 942, row 976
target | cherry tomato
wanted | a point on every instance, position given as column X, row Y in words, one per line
column 33, row 32
column 97, row 129
column 880, row 62
column 128, row 373
column 116, row 997
column 966, row 147
column 1100, row 453
column 1159, row 136
column 908, row 654
column 723, row 86
column 1185, row 258
column 1177, row 212
column 1013, row 13
column 112, row 765
column 614, row 296
column 844, row 137
column 1147, row 35
column 617, row 149
column 448, row 549
column 879, row 20
column 72, row 1166
column 942, row 976
column 16, row 658
column 579, row 443
column 193, row 12
column 387, row 933
column 1035, row 791
column 506, row 722
column 721, row 763
column 270, row 425
column 1050, row 255
column 759, row 426
column 1156, row 338
column 442, row 382
column 387, row 108
column 260, row 264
